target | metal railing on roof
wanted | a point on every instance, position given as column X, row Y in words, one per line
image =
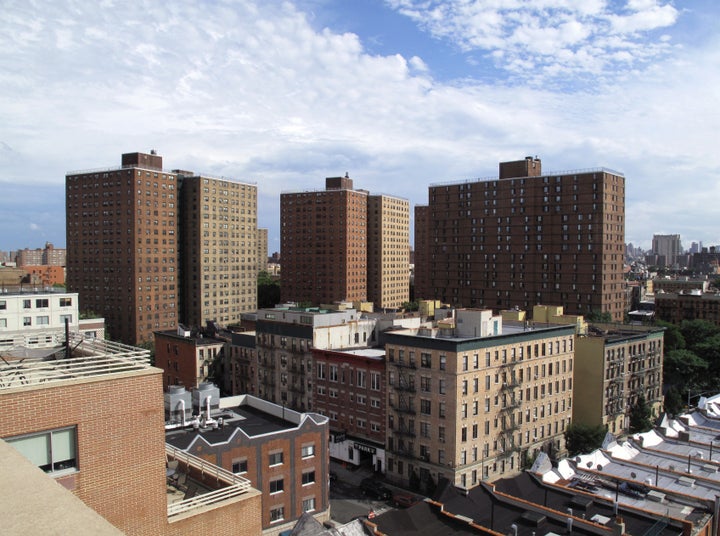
column 236, row 485
column 96, row 358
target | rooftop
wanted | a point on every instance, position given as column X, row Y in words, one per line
column 91, row 359
column 549, row 174
column 244, row 414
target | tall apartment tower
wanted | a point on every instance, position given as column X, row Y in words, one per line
column 122, row 250
column 341, row 244
column 262, row 250
column 667, row 246
column 525, row 239
column 323, row 239
column 421, row 270
column 219, row 249
column 388, row 251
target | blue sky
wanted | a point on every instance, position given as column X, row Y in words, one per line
column 400, row 94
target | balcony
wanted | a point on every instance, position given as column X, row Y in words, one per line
column 404, row 431
column 404, row 386
column 510, row 406
column 512, row 384
column 195, row 485
column 294, row 369
column 404, row 364
column 402, row 408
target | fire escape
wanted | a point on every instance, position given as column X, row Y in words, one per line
column 509, row 409
column 402, row 404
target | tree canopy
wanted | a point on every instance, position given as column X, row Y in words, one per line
column 583, row 438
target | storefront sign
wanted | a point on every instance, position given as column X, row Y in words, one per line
column 365, row 448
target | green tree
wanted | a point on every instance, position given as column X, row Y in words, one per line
column 583, row 438
column 673, row 338
column 674, row 403
column 698, row 331
column 684, row 369
column 596, row 316
column 640, row 416
column 268, row 290
column 709, row 350
column 411, row 305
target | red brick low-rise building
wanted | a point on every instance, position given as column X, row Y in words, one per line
column 350, row 390
column 281, row 452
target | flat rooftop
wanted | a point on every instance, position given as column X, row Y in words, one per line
column 248, row 420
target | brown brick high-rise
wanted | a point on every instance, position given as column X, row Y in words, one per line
column 525, row 239
column 122, row 248
column 323, row 239
column 341, row 244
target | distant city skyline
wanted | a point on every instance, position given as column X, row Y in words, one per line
column 401, row 94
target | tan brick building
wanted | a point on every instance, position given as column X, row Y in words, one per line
column 614, row 365
column 94, row 424
column 388, row 251
column 526, row 238
column 342, row 244
column 122, row 245
column 262, row 250
column 474, row 398
column 218, row 221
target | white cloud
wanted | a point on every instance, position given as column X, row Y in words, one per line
column 549, row 38
column 251, row 91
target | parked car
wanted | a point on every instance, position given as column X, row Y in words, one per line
column 404, row 500
column 375, row 488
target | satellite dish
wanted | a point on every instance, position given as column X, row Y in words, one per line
column 633, row 475
column 599, row 467
column 589, row 464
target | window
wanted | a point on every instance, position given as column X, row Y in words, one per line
column 443, row 360
column 240, row 466
column 321, row 371
column 27, row 304
column 43, row 320
column 375, row 381
column 425, row 360
column 3, row 305
column 308, row 477
column 276, row 514
column 425, row 407
column 309, row 504
column 276, row 486
column 27, row 321
column 41, row 303
column 333, row 373
column 3, row 322
column 63, row 318
column 52, row 451
column 361, row 378
column 65, row 302
column 308, row 450
column 276, row 458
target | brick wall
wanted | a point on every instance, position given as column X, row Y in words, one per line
column 120, row 442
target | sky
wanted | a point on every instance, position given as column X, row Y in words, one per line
column 399, row 94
